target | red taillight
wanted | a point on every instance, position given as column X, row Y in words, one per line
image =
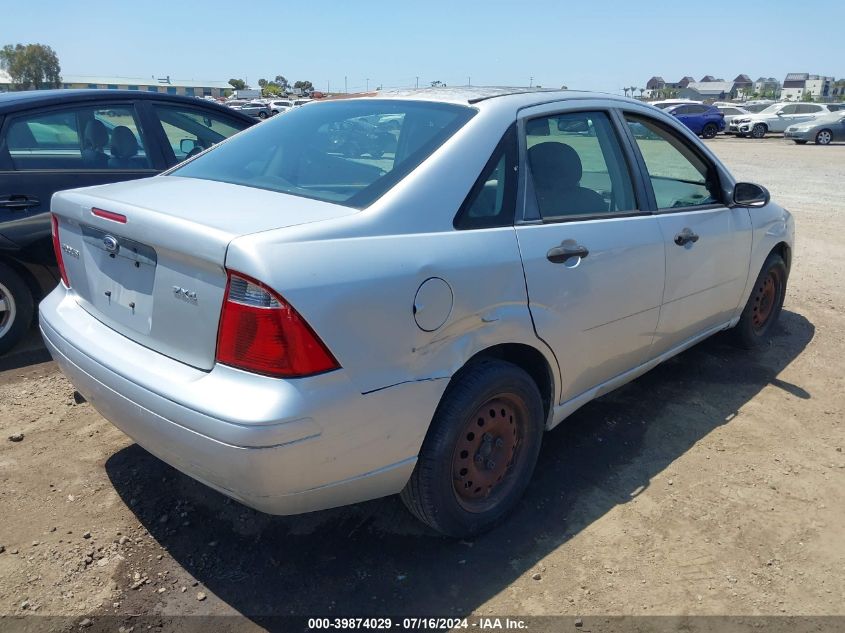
column 261, row 333
column 57, row 248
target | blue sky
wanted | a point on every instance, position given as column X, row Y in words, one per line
column 590, row 45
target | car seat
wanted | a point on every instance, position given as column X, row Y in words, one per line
column 557, row 170
column 124, row 149
column 94, row 140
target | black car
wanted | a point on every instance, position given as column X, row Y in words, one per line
column 60, row 139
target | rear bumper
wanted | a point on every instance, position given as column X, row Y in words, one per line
column 282, row 447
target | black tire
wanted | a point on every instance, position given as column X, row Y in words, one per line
column 799, row 141
column 262, row 115
column 754, row 328
column 438, row 492
column 17, row 307
column 710, row 130
column 824, row 137
column 759, row 130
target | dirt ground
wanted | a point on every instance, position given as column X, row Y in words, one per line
column 715, row 484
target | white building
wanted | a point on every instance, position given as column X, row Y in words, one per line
column 796, row 85
column 165, row 85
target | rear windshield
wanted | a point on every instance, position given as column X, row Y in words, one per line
column 346, row 152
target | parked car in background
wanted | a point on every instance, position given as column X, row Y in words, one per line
column 757, row 105
column 704, row 120
column 301, row 102
column 256, row 109
column 671, row 102
column 730, row 112
column 302, row 329
column 822, row 130
column 277, row 106
column 56, row 139
column 776, row 118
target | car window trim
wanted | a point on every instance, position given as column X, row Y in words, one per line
column 509, row 145
column 646, row 177
column 526, row 192
column 10, row 117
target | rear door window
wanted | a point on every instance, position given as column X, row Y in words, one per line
column 89, row 137
column 577, row 166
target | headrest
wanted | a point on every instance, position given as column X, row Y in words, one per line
column 96, row 135
column 555, row 164
column 123, row 142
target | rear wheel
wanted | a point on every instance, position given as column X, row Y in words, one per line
column 16, row 306
column 824, row 137
column 759, row 130
column 710, row 130
column 480, row 451
column 262, row 115
column 764, row 305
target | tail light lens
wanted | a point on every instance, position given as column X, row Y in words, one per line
column 261, row 333
column 57, row 248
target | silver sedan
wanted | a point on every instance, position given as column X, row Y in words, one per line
column 822, row 131
column 301, row 327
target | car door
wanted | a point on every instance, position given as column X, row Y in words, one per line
column 707, row 243
column 807, row 112
column 50, row 149
column 838, row 128
column 183, row 130
column 783, row 118
column 592, row 253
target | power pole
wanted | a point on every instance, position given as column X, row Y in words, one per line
column 417, row 85
column 328, row 86
column 345, row 86
column 469, row 80
column 368, row 84
column 531, row 82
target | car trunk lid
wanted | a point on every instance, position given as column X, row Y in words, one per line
column 147, row 257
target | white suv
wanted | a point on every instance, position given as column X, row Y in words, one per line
column 776, row 118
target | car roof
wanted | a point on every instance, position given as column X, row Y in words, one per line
column 509, row 97
column 26, row 99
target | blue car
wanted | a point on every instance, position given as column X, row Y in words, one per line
column 704, row 120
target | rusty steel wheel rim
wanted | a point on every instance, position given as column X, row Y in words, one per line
column 765, row 298
column 486, row 451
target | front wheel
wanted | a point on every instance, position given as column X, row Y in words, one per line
column 262, row 115
column 16, row 306
column 758, row 131
column 480, row 450
column 824, row 137
column 710, row 130
column 764, row 305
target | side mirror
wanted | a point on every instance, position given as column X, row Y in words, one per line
column 187, row 145
column 747, row 194
column 779, row 113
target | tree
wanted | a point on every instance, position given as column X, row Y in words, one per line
column 438, row 84
column 807, row 96
column 281, row 82
column 305, row 86
column 238, row 84
column 262, row 83
column 31, row 66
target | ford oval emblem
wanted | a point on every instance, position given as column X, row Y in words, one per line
column 110, row 243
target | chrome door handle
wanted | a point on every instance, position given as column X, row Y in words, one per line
column 560, row 254
column 685, row 237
